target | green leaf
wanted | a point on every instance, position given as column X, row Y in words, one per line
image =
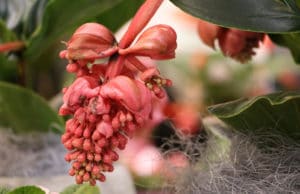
column 277, row 113
column 218, row 143
column 8, row 69
column 70, row 15
column 23, row 110
column 291, row 41
column 81, row 189
column 272, row 16
column 27, row 190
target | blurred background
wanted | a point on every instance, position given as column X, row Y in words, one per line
column 155, row 156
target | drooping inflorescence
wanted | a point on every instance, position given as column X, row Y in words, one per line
column 234, row 43
column 109, row 101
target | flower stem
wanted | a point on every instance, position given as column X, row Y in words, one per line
column 12, row 46
column 139, row 21
column 137, row 63
column 115, row 66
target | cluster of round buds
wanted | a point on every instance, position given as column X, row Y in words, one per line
column 237, row 44
column 154, row 82
column 109, row 101
column 104, row 116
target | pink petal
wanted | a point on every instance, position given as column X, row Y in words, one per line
column 130, row 93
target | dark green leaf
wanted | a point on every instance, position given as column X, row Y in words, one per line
column 70, row 15
column 277, row 113
column 8, row 69
column 27, row 190
column 22, row 110
column 291, row 41
column 81, row 189
column 256, row 15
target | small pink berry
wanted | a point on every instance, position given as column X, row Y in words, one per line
column 72, row 172
column 97, row 157
column 87, row 145
column 76, row 165
column 86, row 176
column 90, row 156
column 79, row 179
column 77, row 142
column 96, row 170
column 81, row 157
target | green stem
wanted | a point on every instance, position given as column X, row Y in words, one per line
column 12, row 46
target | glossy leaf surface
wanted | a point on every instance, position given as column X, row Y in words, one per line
column 22, row 110
column 62, row 17
column 255, row 15
column 81, row 189
column 27, row 190
column 273, row 113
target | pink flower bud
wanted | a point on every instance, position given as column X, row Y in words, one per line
column 72, row 172
column 101, row 177
column 105, row 129
column 65, row 137
column 68, row 144
column 101, row 142
column 77, row 142
column 87, row 132
column 87, row 145
column 76, row 165
column 86, row 176
column 96, row 170
column 96, row 135
column 81, row 157
column 90, row 41
column 97, row 157
column 90, row 156
column 157, row 42
column 79, row 179
column 89, row 167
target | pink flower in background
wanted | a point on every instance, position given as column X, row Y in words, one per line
column 185, row 117
column 237, row 44
column 142, row 158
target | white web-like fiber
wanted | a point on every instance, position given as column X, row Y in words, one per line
column 270, row 165
column 38, row 154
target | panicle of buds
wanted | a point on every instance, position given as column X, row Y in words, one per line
column 108, row 102
column 237, row 44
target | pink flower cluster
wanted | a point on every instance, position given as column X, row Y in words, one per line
column 237, row 44
column 109, row 100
